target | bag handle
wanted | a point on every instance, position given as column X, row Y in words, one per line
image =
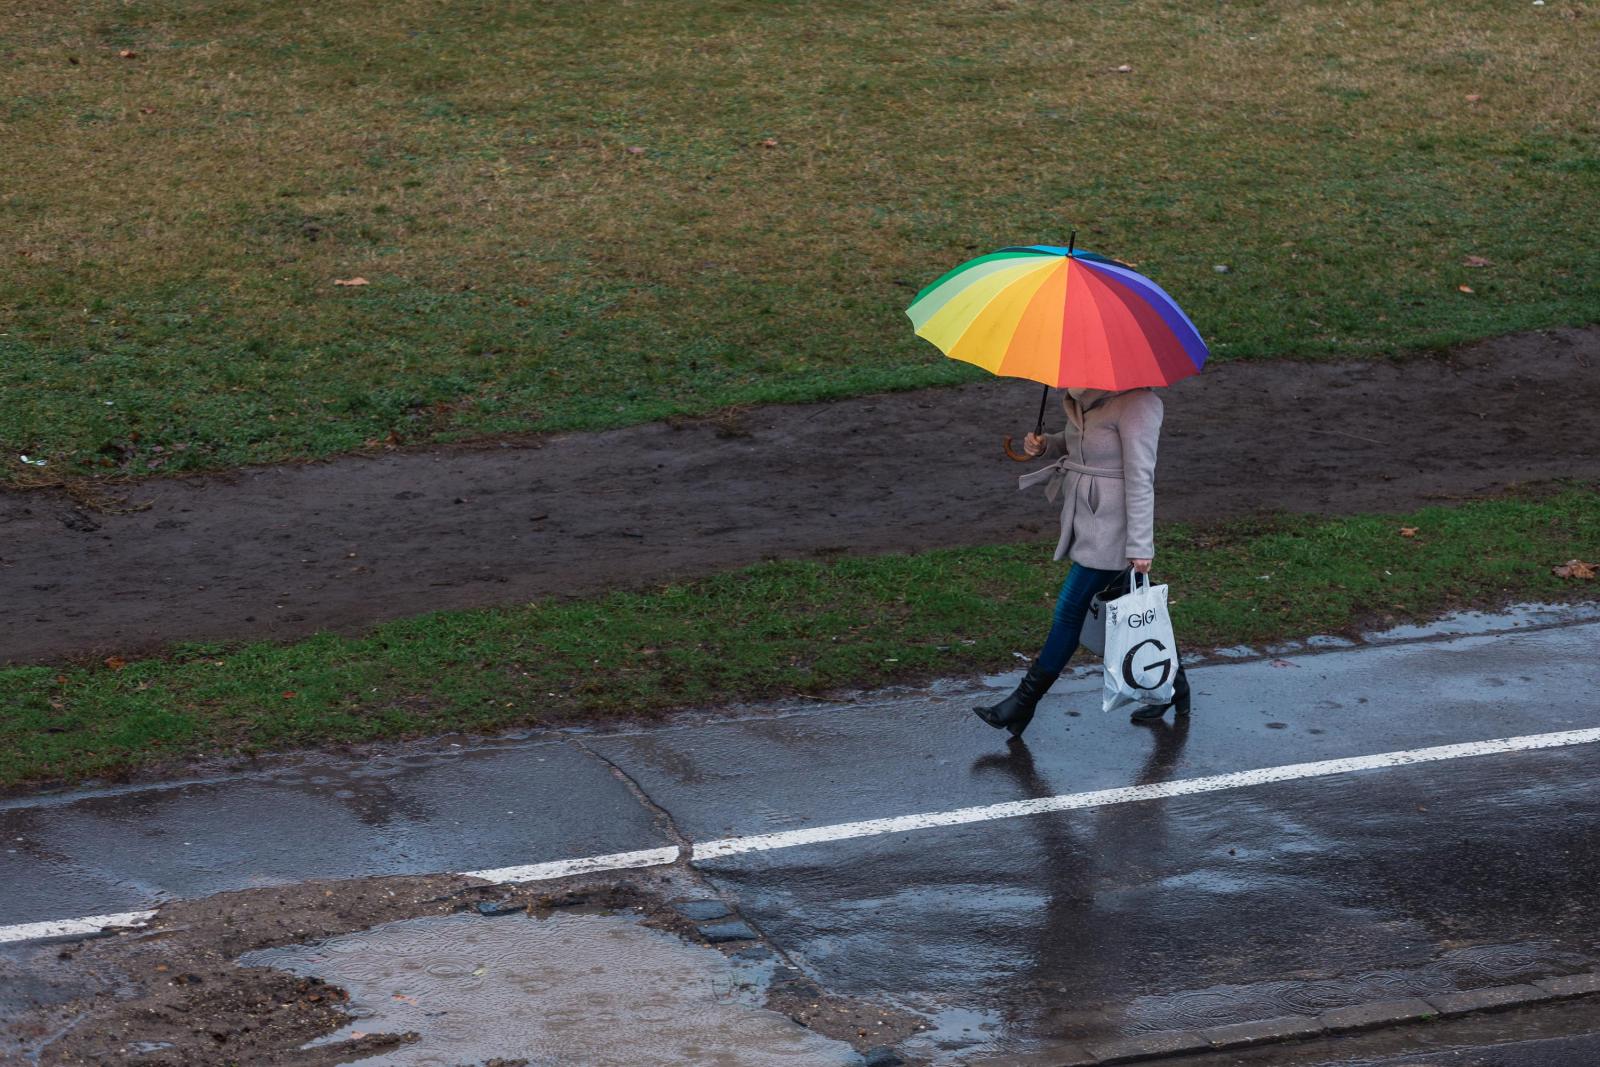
column 1138, row 583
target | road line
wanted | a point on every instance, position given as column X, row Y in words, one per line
column 732, row 846
column 1100, row 798
column 616, row 861
column 90, row 924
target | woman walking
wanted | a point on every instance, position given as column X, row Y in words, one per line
column 1104, row 473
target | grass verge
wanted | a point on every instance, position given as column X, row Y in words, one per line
column 574, row 215
column 780, row 628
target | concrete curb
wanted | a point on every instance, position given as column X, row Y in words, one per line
column 1167, row 1044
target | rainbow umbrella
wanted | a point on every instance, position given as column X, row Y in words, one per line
column 1066, row 318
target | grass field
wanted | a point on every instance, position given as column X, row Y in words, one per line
column 579, row 215
column 783, row 628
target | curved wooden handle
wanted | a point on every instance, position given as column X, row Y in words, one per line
column 1020, row 457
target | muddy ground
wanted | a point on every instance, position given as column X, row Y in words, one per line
column 172, row 995
column 285, row 551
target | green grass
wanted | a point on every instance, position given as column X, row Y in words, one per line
column 569, row 219
column 775, row 629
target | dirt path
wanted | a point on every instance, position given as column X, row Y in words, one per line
column 285, row 551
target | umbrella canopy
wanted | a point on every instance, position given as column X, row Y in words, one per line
column 1069, row 319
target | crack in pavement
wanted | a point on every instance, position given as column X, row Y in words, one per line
column 668, row 825
column 662, row 817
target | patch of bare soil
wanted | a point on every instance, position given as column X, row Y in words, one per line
column 172, row 995
column 285, row 551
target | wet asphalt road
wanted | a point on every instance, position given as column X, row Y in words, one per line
column 1013, row 934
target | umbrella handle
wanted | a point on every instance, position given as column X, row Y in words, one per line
column 1020, row 457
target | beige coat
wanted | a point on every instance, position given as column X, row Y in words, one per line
column 1105, row 474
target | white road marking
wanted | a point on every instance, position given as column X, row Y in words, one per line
column 731, row 846
column 616, row 861
column 1127, row 794
column 90, row 924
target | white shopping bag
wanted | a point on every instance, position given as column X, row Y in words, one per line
column 1141, row 655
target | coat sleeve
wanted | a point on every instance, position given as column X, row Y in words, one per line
column 1139, row 426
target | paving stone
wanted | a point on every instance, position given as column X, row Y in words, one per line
column 1149, row 1046
column 1263, row 1031
column 1570, row 985
column 736, row 930
column 1487, row 999
column 1377, row 1013
column 882, row 1056
column 492, row 908
column 701, row 910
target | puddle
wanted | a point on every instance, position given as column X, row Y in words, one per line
column 1468, row 623
column 960, row 1032
column 592, row 989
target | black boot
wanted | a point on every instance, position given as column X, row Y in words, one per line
column 1180, row 701
column 1015, row 712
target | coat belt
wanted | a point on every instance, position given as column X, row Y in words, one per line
column 1056, row 473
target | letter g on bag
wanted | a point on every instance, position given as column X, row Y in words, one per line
column 1128, row 668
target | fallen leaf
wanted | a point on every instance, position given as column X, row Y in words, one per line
column 1575, row 568
column 1465, row 288
column 770, row 142
column 351, row 281
column 357, row 1035
column 116, row 663
column 1408, row 531
column 635, row 150
column 1477, row 261
column 1125, row 69
column 290, row 695
column 1283, row 663
column 405, row 999
column 128, row 53
column 1473, row 98
column 143, row 111
column 479, row 971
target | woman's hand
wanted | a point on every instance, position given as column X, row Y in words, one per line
column 1140, row 565
column 1033, row 444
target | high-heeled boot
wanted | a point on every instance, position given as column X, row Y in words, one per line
column 1180, row 701
column 1015, row 712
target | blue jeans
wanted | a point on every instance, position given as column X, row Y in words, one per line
column 1071, row 606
